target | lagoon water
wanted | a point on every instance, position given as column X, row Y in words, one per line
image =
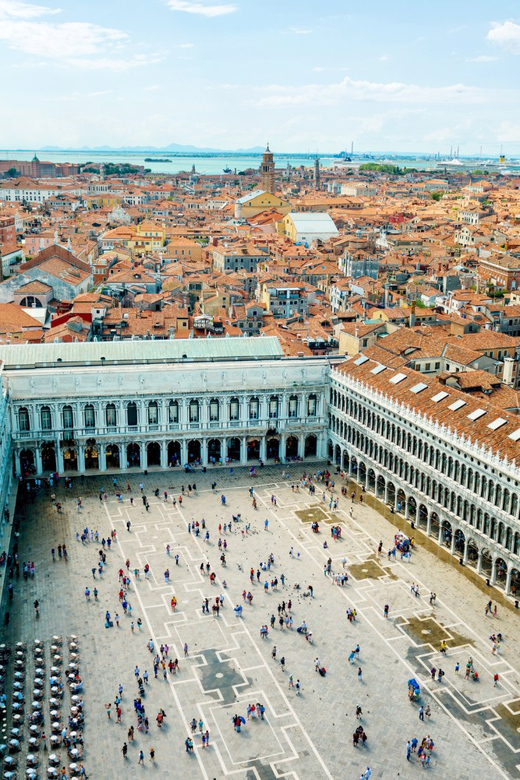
column 205, row 163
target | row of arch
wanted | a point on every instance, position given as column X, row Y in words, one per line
column 465, row 476
column 151, row 454
column 462, row 541
column 497, row 530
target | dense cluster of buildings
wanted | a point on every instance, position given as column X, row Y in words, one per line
column 369, row 318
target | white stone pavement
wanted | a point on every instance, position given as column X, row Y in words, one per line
column 474, row 725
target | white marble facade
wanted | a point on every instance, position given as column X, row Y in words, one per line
column 462, row 495
column 89, row 419
column 216, row 409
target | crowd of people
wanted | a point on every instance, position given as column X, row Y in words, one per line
column 265, row 579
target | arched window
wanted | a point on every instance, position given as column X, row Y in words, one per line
column 131, row 414
column 90, row 416
column 153, row 413
column 293, row 406
column 45, row 418
column 174, row 412
column 194, row 411
column 214, row 410
column 110, row 416
column 253, row 409
column 234, row 409
column 273, row 407
column 68, row 419
column 23, row 419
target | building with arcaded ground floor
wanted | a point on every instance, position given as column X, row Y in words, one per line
column 444, row 460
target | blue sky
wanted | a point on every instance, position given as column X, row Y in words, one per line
column 303, row 74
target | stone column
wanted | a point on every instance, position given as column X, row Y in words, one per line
column 494, row 572
column 38, row 460
column 281, row 450
column 386, row 488
column 508, row 580
column 428, row 524
column 102, row 457
column 479, row 562
column 164, row 454
column 204, row 451
column 184, row 451
column 263, row 449
column 453, row 542
column 466, row 551
column 243, row 450
column 123, row 463
column 17, row 465
column 441, row 531
column 81, row 458
column 59, row 461
column 406, row 509
column 223, row 449
column 144, row 454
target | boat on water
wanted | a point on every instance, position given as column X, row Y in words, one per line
column 227, row 170
column 157, row 159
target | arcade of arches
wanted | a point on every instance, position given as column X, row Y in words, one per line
column 98, row 455
column 473, row 535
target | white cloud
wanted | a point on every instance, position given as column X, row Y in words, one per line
column 76, row 44
column 383, row 58
column 508, row 132
column 59, row 41
column 482, row 58
column 186, row 46
column 10, row 9
column 366, row 91
column 325, row 69
column 116, row 64
column 300, row 31
column 201, row 9
column 506, row 34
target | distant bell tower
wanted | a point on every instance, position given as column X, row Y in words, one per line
column 317, row 180
column 267, row 171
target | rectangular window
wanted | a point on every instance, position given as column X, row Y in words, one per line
column 253, row 409
column 293, row 407
column 153, row 414
column 273, row 408
column 213, row 411
column 194, row 412
column 46, row 420
column 67, row 418
column 174, row 413
column 89, row 417
column 311, row 407
column 233, row 410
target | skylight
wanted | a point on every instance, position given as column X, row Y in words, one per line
column 496, row 424
column 418, row 387
column 360, row 360
column 457, row 405
column 515, row 436
column 378, row 369
column 439, row 396
column 476, row 414
column 397, row 378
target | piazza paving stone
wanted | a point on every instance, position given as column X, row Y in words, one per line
column 229, row 666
